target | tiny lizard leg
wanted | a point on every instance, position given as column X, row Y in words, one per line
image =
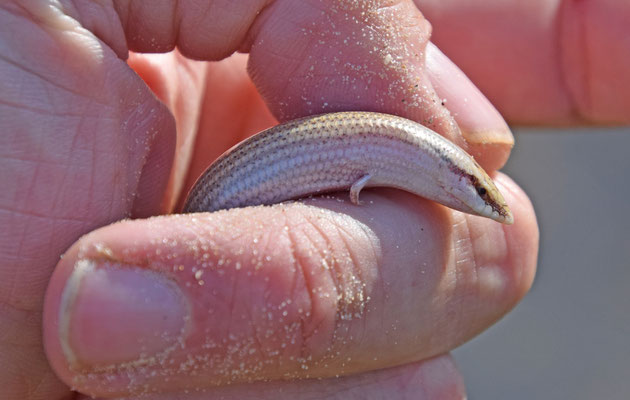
column 356, row 188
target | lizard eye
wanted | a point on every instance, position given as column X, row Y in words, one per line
column 482, row 191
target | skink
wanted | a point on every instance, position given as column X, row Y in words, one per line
column 337, row 151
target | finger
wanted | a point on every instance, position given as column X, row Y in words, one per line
column 376, row 65
column 341, row 56
column 541, row 62
column 488, row 137
column 179, row 83
column 436, row 378
column 83, row 143
column 354, row 55
column 288, row 291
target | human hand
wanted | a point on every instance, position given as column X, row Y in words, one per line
column 108, row 156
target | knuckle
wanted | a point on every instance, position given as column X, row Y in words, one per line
column 335, row 263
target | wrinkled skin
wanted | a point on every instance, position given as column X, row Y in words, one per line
column 242, row 295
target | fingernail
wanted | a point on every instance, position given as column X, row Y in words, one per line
column 112, row 314
column 477, row 118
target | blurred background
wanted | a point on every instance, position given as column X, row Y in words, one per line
column 570, row 337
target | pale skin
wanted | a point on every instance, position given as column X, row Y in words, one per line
column 84, row 144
